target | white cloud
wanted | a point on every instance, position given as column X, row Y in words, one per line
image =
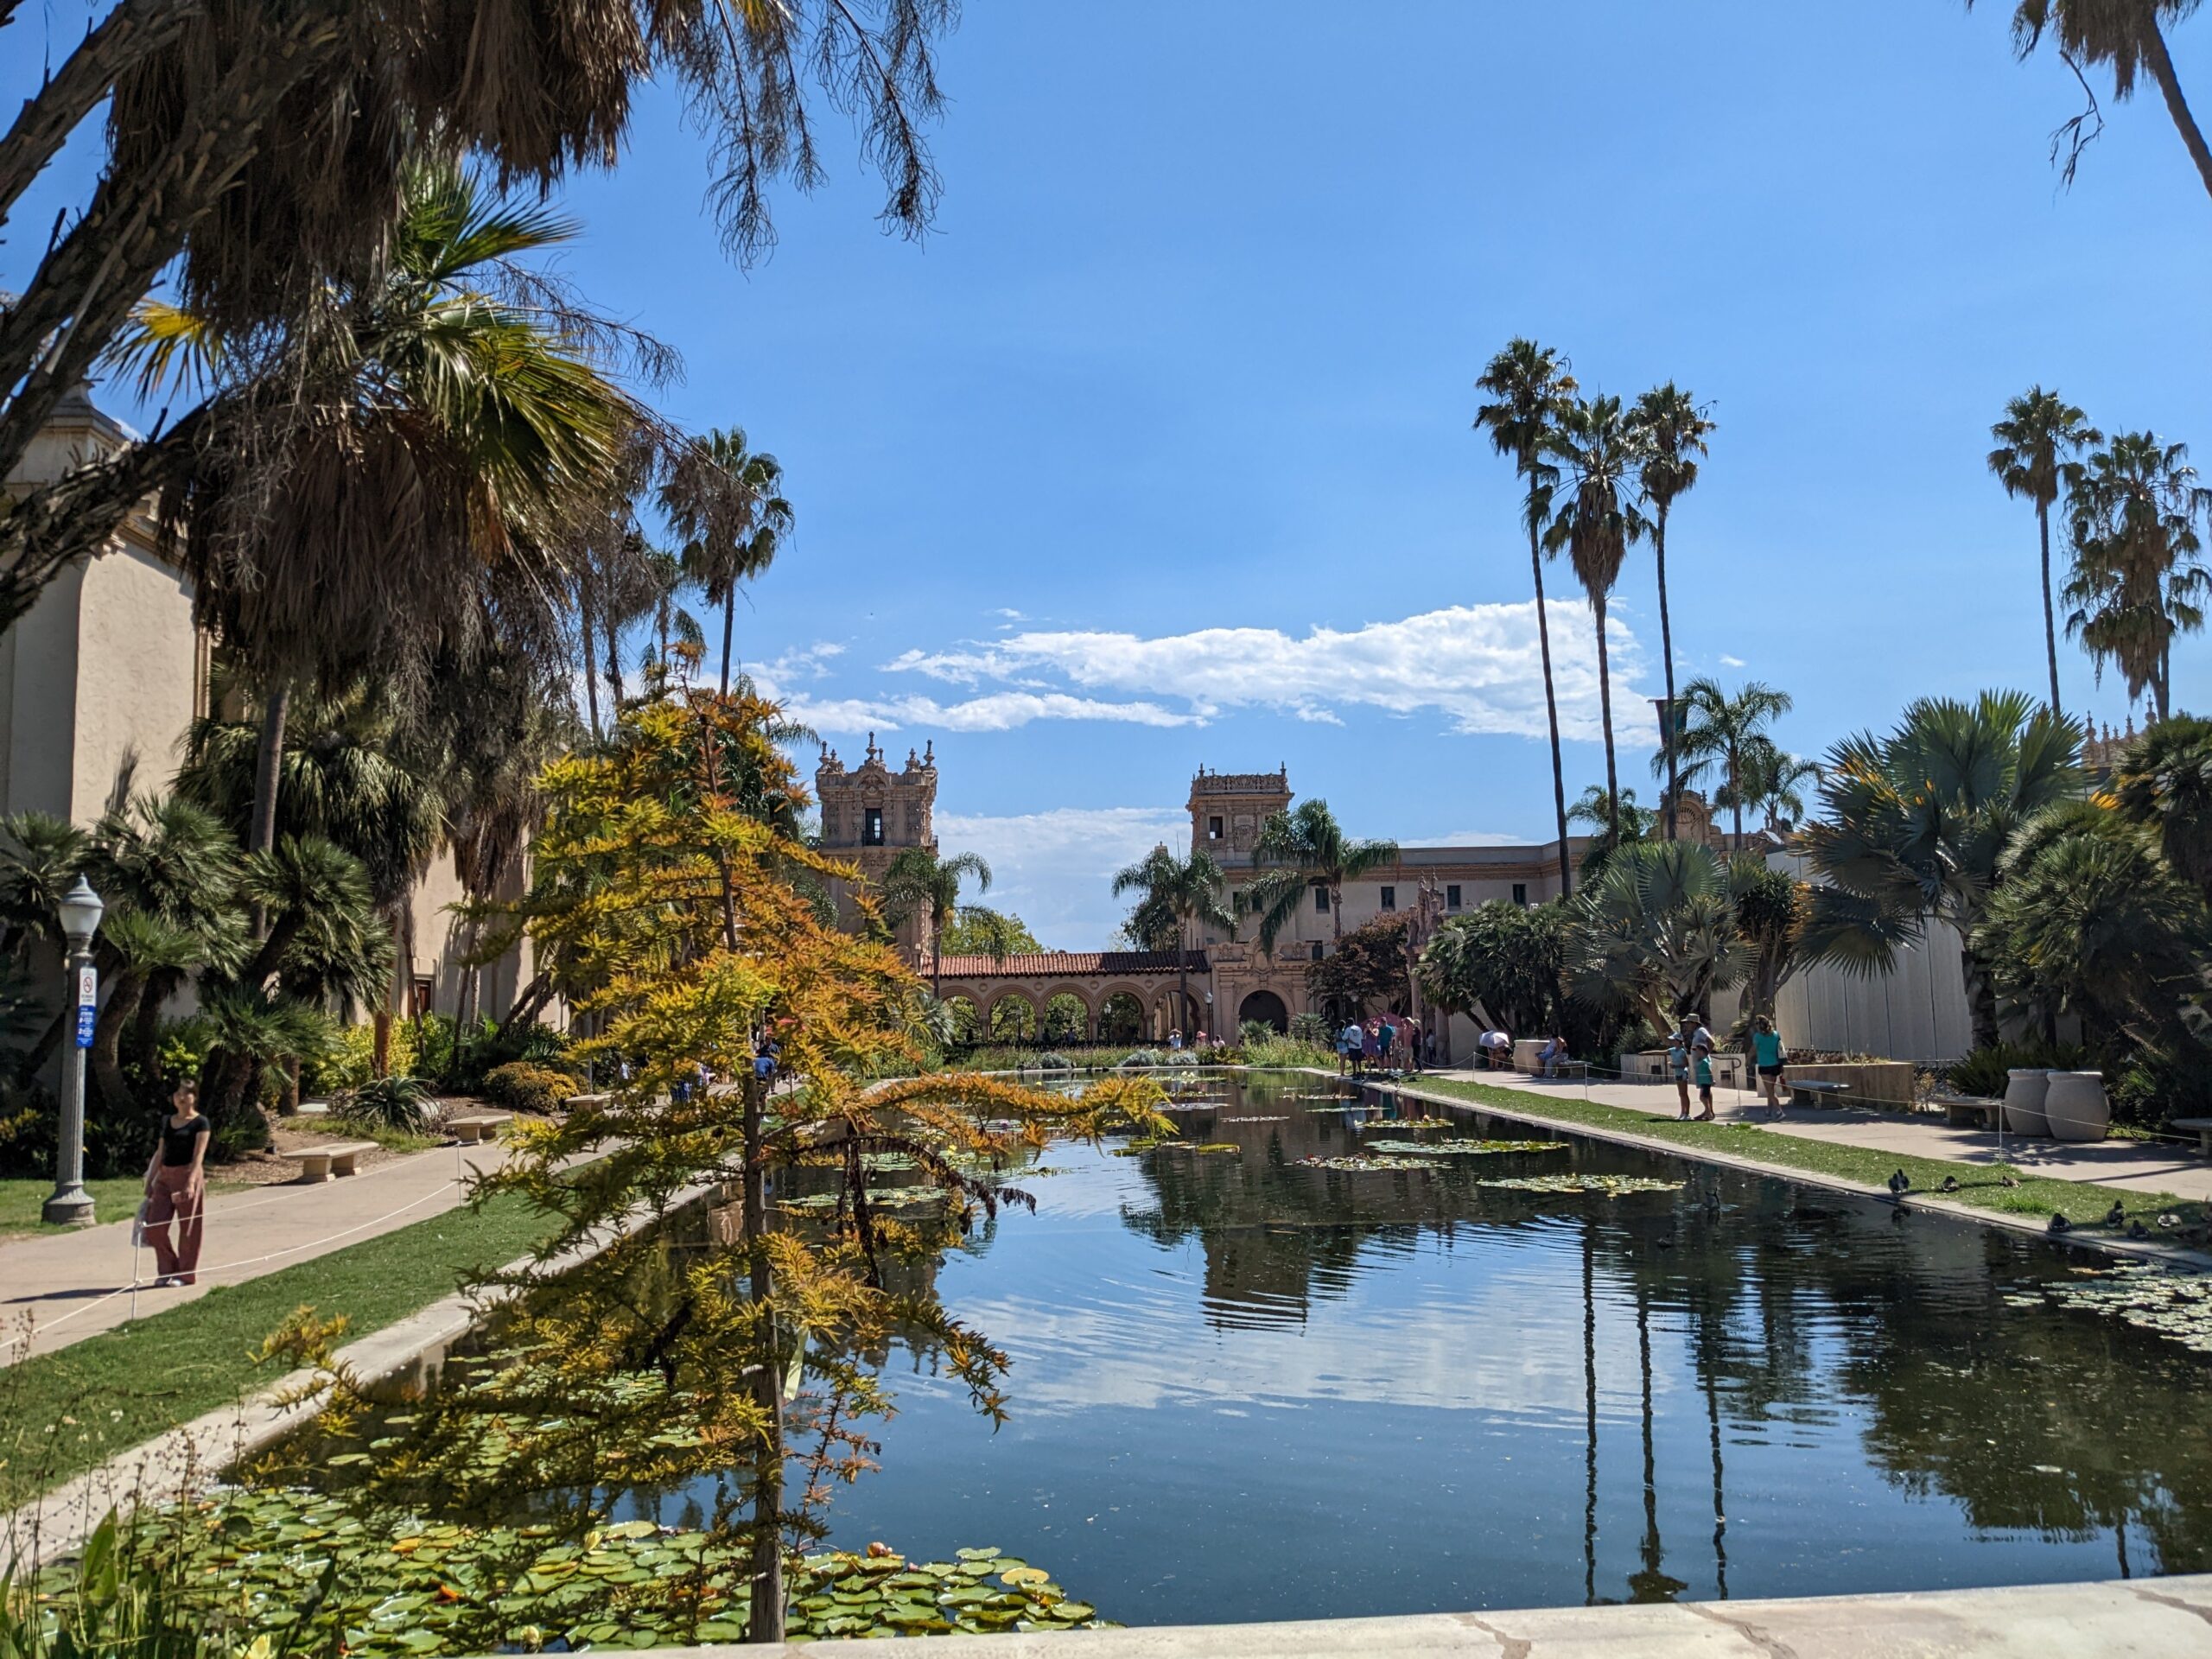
column 1732, row 662
column 1464, row 838
column 1479, row 666
column 1055, row 869
column 997, row 711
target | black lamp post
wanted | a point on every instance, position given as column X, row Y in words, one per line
column 70, row 1205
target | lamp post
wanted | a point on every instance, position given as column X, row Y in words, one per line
column 71, row 1206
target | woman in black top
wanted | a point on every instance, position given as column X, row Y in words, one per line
column 176, row 1187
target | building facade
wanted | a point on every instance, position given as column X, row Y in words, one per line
column 871, row 814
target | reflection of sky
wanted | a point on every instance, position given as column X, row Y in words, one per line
column 1274, row 1415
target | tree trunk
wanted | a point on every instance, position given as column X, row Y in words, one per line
column 123, row 998
column 1735, row 797
column 1551, row 708
column 268, row 778
column 1337, row 912
column 1981, row 998
column 124, row 38
column 2161, row 64
column 1606, row 717
column 729, row 626
column 380, row 1043
column 613, row 669
column 587, row 625
column 1667, row 654
column 765, row 1624
column 2049, row 626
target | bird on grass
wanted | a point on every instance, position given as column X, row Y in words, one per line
column 2168, row 1220
column 2117, row 1216
column 1951, row 1184
column 2059, row 1223
column 2009, row 1179
column 2137, row 1229
column 1900, row 1184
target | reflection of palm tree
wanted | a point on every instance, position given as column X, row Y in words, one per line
column 1590, row 1414
column 1650, row 1583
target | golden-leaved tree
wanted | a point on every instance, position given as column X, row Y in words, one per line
column 664, row 891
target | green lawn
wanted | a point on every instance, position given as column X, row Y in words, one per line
column 1980, row 1185
column 114, row 1199
column 66, row 1412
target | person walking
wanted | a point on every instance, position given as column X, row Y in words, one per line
column 1678, row 1068
column 1700, row 1045
column 177, row 1188
column 1347, row 1050
column 1767, row 1053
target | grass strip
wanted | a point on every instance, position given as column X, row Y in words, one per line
column 1980, row 1185
column 114, row 1198
column 68, row 1411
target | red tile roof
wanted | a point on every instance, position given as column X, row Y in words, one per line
column 1060, row 964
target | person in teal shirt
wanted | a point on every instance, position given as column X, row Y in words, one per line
column 1767, row 1055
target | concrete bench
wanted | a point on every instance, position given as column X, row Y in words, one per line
column 1970, row 1109
column 1817, row 1094
column 485, row 1126
column 320, row 1163
column 2199, row 1127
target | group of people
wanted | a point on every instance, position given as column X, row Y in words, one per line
column 1384, row 1042
column 1689, row 1060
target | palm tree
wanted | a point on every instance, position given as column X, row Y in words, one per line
column 729, row 535
column 919, row 883
column 1598, row 447
column 1774, row 782
column 1613, row 823
column 1916, row 825
column 1300, row 848
column 388, row 483
column 1656, row 934
column 1718, row 732
column 2123, row 35
column 1529, row 387
column 1188, row 889
column 2035, row 442
column 2137, row 582
column 1672, row 429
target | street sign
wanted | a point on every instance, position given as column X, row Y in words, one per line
column 88, row 996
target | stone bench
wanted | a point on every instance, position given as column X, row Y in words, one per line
column 485, row 1126
column 1970, row 1109
column 320, row 1163
column 1817, row 1094
column 2199, row 1127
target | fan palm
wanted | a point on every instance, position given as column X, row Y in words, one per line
column 2035, row 442
column 1530, row 388
column 1656, row 934
column 1915, row 825
column 1300, row 848
column 1672, row 429
column 921, row 882
column 1189, row 890
column 730, row 535
column 2136, row 581
column 2124, row 36
column 1718, row 732
column 1600, row 449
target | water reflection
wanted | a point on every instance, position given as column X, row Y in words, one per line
column 1244, row 1388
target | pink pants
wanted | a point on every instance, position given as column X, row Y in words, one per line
column 170, row 1199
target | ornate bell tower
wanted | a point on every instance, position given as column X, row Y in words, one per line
column 869, row 815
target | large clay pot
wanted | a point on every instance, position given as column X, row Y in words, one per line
column 2076, row 1107
column 2023, row 1097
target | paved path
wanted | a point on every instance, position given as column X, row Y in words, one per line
column 71, row 1285
column 2150, row 1166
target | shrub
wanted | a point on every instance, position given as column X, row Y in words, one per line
column 1054, row 1063
column 350, row 1060
column 1182, row 1056
column 1312, row 1030
column 1254, row 1031
column 1141, row 1057
column 526, row 1086
column 1982, row 1073
column 1274, row 1050
column 401, row 1103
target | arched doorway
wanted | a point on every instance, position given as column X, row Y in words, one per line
column 1266, row 1008
column 1121, row 1018
column 1014, row 1018
column 966, row 1024
column 1066, row 1019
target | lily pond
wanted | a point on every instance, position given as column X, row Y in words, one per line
column 1322, row 1375
column 1324, row 1356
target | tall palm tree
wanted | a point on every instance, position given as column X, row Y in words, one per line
column 1672, row 429
column 1300, row 848
column 1188, row 889
column 2136, row 581
column 1599, row 448
column 1916, row 825
column 2036, row 440
column 1718, row 732
column 729, row 536
column 921, row 882
column 1529, row 387
column 2124, row 36
column 1774, row 782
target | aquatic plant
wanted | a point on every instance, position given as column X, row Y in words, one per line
column 1465, row 1149
column 2166, row 1301
column 1609, row 1186
column 1355, row 1162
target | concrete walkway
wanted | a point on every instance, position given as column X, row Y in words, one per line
column 2147, row 1166
column 71, row 1286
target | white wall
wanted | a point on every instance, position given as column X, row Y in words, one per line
column 1917, row 1011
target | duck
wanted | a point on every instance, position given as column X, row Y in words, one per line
column 2117, row 1216
column 1951, row 1184
column 2137, row 1229
column 2009, row 1179
column 2169, row 1220
column 1900, row 1184
column 2059, row 1223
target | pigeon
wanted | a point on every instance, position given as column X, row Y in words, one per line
column 1900, row 1184
column 2059, row 1223
column 1951, row 1184
column 2117, row 1216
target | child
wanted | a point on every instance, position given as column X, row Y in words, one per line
column 1678, row 1068
column 1701, row 1062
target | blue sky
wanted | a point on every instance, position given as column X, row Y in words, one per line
column 1157, row 452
